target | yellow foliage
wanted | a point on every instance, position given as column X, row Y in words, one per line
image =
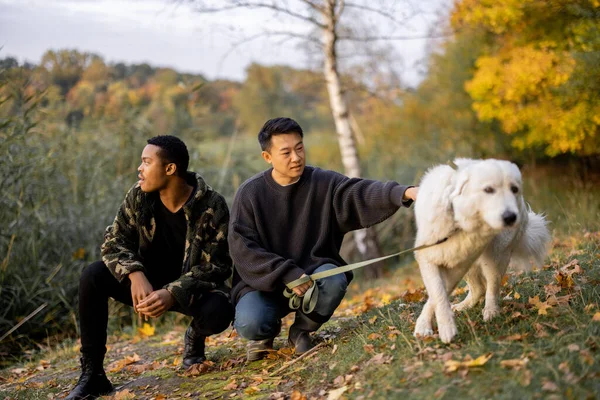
column 530, row 80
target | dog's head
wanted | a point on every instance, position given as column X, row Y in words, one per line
column 487, row 191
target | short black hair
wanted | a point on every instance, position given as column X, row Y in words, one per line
column 277, row 126
column 172, row 150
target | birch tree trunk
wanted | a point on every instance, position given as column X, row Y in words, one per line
column 365, row 239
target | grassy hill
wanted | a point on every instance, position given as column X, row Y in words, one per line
column 544, row 345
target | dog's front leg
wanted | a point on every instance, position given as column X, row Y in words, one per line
column 424, row 324
column 493, row 280
column 438, row 302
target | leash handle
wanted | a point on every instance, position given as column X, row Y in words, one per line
column 309, row 300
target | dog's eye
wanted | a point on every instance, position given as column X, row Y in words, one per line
column 514, row 189
column 489, row 190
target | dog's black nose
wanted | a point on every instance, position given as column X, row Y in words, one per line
column 509, row 217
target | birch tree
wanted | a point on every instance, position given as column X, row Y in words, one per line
column 328, row 23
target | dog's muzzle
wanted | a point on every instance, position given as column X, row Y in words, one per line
column 509, row 218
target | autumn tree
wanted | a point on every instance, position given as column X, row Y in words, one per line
column 540, row 74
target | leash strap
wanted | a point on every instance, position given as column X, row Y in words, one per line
column 311, row 296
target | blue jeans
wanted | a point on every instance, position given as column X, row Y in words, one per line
column 258, row 314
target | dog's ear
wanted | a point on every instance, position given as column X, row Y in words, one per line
column 461, row 162
column 460, row 185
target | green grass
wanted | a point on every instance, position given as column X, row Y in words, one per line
column 374, row 355
column 561, row 347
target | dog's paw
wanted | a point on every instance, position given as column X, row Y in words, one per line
column 462, row 306
column 490, row 313
column 447, row 332
column 423, row 327
column 420, row 333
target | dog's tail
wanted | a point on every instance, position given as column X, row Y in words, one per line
column 534, row 245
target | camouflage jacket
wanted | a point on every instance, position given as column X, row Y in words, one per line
column 206, row 263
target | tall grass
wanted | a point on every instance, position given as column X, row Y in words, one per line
column 59, row 189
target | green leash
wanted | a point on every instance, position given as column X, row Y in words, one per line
column 311, row 296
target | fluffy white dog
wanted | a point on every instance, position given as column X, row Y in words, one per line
column 479, row 209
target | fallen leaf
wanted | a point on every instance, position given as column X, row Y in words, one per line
column 596, row 317
column 369, row 348
column 146, row 330
column 297, row 395
column 513, row 338
column 551, row 289
column 564, row 280
column 541, row 306
column 252, row 390
column 380, row 358
column 413, row 296
column 124, row 394
column 515, row 363
column 120, row 364
column 549, row 386
column 573, row 347
column 339, row 381
column 517, row 296
column 372, row 320
column 374, row 336
column 335, row 347
column 18, row 371
column 337, row 393
column 453, row 365
column 199, row 369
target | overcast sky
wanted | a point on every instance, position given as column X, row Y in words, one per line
column 163, row 33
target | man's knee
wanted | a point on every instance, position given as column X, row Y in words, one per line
column 256, row 326
column 255, row 321
column 214, row 316
column 331, row 292
column 334, row 285
column 93, row 273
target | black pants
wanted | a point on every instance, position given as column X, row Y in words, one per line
column 211, row 314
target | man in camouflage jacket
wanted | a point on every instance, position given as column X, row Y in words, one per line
column 165, row 251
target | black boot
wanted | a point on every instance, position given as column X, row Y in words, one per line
column 299, row 335
column 92, row 382
column 193, row 350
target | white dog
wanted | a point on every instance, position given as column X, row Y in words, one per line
column 479, row 209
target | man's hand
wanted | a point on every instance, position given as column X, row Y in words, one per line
column 140, row 288
column 301, row 289
column 411, row 194
column 156, row 303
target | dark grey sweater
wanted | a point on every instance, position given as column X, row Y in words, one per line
column 277, row 233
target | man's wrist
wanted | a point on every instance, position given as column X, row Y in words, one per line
column 135, row 275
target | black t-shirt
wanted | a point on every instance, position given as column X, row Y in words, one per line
column 165, row 255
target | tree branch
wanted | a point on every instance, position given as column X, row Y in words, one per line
column 288, row 35
column 251, row 5
column 391, row 37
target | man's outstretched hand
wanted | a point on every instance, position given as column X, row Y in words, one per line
column 156, row 303
column 301, row 289
column 411, row 193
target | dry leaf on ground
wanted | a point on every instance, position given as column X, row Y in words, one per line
column 453, row 365
column 199, row 369
column 514, row 363
column 542, row 307
column 337, row 393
